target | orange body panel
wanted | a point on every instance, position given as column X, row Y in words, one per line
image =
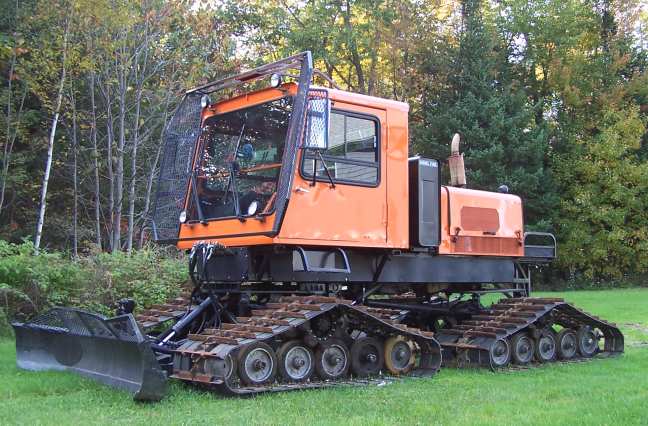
column 351, row 215
column 472, row 222
column 480, row 223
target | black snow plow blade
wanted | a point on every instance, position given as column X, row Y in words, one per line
column 112, row 351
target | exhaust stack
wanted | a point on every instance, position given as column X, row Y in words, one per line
column 456, row 163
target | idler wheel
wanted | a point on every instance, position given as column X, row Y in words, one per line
column 220, row 368
column 257, row 364
column 546, row 348
column 399, row 355
column 522, row 348
column 587, row 341
column 332, row 359
column 500, row 354
column 566, row 343
column 366, row 356
column 296, row 361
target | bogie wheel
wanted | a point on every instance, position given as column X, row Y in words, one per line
column 332, row 359
column 366, row 356
column 522, row 348
column 566, row 343
column 587, row 341
column 500, row 354
column 296, row 361
column 399, row 355
column 257, row 364
column 546, row 348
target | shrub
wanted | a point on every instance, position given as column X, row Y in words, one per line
column 29, row 284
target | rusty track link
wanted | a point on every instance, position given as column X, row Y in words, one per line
column 469, row 343
column 173, row 309
column 206, row 358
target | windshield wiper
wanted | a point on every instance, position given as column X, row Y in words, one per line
column 231, row 183
column 326, row 169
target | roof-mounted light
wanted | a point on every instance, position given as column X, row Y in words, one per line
column 275, row 80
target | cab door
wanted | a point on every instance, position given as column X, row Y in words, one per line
column 339, row 194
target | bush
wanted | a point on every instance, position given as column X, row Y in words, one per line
column 5, row 327
column 29, row 284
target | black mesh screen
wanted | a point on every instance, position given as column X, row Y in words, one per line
column 179, row 141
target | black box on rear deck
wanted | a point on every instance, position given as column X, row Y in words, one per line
column 424, row 199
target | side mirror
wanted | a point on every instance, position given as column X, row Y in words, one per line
column 318, row 111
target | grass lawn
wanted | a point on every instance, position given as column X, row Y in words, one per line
column 606, row 391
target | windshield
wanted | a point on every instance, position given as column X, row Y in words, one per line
column 238, row 168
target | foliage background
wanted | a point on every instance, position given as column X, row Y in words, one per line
column 550, row 97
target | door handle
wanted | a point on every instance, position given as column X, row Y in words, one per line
column 300, row 189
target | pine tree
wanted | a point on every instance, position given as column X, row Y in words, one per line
column 502, row 142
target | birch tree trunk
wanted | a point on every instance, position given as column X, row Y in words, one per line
column 119, row 178
column 105, row 91
column 95, row 160
column 50, row 148
column 140, row 77
column 131, row 189
column 11, row 130
column 75, row 207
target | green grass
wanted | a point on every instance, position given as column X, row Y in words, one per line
column 606, row 391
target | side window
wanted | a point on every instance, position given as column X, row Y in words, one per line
column 353, row 155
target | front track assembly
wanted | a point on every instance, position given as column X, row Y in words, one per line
column 305, row 342
column 525, row 331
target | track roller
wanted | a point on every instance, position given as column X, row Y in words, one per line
column 522, row 348
column 587, row 341
column 367, row 356
column 332, row 359
column 566, row 344
column 545, row 347
column 257, row 364
column 399, row 355
column 296, row 361
column 500, row 354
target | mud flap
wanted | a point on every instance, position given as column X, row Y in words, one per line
column 112, row 351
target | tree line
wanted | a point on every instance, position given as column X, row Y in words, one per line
column 550, row 97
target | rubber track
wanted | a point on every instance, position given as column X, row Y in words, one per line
column 471, row 340
column 291, row 312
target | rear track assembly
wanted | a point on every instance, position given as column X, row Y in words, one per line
column 522, row 331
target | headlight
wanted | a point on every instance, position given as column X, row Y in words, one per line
column 275, row 80
column 183, row 216
column 205, row 101
column 252, row 208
